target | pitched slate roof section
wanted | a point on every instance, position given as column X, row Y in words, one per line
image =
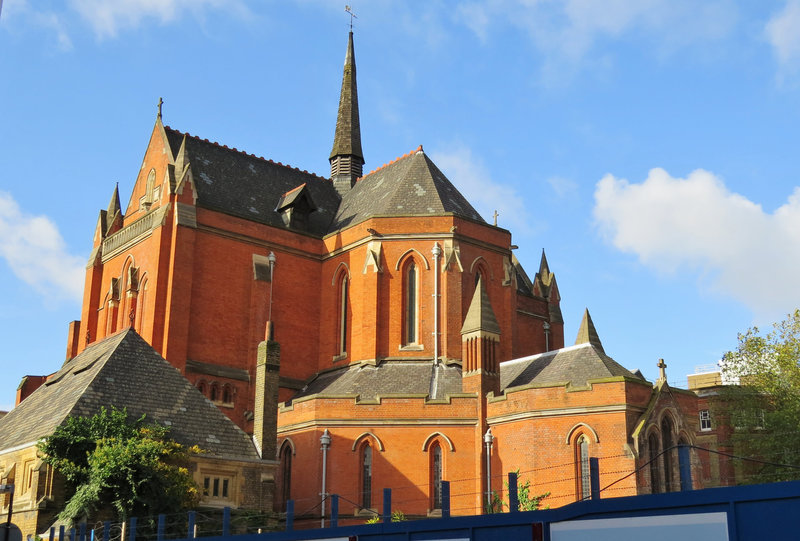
column 126, row 372
column 409, row 186
column 388, row 378
column 576, row 366
column 249, row 187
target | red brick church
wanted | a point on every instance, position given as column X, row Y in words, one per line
column 409, row 333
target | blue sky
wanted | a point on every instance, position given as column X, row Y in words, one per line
column 649, row 146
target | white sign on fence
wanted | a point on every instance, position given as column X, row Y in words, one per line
column 686, row 527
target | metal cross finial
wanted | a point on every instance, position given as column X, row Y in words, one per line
column 160, row 103
column 352, row 16
column 495, row 218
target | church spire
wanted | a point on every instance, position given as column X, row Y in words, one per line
column 347, row 159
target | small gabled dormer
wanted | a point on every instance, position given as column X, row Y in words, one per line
column 295, row 206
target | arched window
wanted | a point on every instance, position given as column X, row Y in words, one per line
column 227, row 394
column 410, row 303
column 201, row 386
column 436, row 475
column 366, row 476
column 214, row 394
column 284, row 492
column 667, row 442
column 655, row 474
column 344, row 301
column 583, row 475
column 147, row 200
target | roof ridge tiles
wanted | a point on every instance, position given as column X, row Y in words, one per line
column 234, row 149
column 295, row 189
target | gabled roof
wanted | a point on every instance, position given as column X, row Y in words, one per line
column 388, row 378
column 291, row 198
column 126, row 372
column 575, row 365
column 412, row 185
column 243, row 185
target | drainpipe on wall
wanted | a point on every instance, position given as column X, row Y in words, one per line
column 325, row 441
column 437, row 252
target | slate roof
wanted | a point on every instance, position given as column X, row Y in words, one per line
column 249, row 187
column 575, row 365
column 124, row 371
column 388, row 378
column 412, row 185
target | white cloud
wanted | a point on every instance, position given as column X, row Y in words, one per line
column 563, row 187
column 108, row 18
column 783, row 33
column 473, row 180
column 697, row 224
column 568, row 32
column 22, row 15
column 34, row 250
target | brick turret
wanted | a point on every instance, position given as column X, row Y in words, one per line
column 480, row 336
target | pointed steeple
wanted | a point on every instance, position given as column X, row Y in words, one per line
column 114, row 205
column 587, row 334
column 347, row 159
column 114, row 208
column 544, row 269
column 480, row 316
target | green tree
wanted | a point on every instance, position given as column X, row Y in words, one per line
column 527, row 501
column 764, row 408
column 120, row 466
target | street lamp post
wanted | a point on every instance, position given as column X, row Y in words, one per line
column 271, row 259
column 546, row 336
column 325, row 442
column 488, row 439
column 8, row 489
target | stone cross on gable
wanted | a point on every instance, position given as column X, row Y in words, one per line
column 495, row 217
column 160, row 103
column 662, row 369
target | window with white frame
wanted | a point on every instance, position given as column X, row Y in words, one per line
column 705, row 420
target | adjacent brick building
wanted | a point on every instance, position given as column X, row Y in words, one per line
column 125, row 371
column 407, row 327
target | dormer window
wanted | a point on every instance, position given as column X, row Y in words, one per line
column 295, row 206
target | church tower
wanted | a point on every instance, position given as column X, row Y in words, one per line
column 347, row 159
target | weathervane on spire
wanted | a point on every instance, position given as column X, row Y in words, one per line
column 352, row 16
column 160, row 103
